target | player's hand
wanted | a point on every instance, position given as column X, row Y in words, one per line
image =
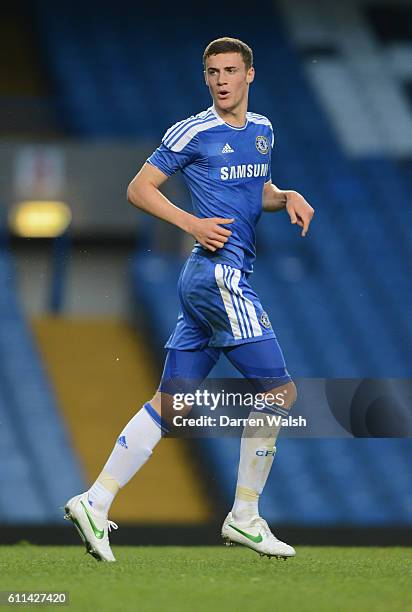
column 210, row 233
column 299, row 210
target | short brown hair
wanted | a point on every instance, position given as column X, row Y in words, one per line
column 229, row 45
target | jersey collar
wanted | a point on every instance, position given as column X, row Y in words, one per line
column 219, row 118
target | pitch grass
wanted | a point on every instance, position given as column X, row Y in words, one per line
column 216, row 579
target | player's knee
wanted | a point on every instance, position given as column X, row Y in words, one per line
column 156, row 402
column 283, row 396
column 168, row 406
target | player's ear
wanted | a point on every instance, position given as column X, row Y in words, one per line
column 250, row 75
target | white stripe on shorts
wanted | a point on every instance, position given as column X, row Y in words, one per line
column 240, row 310
column 228, row 282
column 244, row 314
column 251, row 311
column 227, row 301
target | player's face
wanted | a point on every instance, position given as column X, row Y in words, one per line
column 228, row 80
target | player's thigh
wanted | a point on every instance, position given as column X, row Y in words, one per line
column 260, row 362
column 183, row 372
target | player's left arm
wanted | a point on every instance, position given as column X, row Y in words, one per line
column 298, row 209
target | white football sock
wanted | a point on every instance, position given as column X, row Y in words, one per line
column 257, row 451
column 100, row 497
column 133, row 448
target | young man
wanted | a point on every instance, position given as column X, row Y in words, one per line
column 225, row 155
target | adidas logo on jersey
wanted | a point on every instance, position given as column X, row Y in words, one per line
column 227, row 148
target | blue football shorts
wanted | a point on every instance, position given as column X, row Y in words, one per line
column 220, row 312
column 218, row 307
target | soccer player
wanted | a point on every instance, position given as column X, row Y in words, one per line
column 224, row 154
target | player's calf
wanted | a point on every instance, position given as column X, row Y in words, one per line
column 243, row 524
column 258, row 449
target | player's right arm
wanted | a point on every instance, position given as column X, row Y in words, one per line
column 144, row 193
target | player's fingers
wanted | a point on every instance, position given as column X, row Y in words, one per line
column 216, row 243
column 220, row 239
column 208, row 246
column 219, row 236
column 222, row 231
column 306, row 222
column 292, row 215
column 223, row 221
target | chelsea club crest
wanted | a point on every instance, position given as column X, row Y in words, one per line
column 264, row 320
column 262, row 144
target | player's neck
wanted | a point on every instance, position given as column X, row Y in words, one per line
column 234, row 117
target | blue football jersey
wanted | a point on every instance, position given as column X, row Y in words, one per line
column 225, row 169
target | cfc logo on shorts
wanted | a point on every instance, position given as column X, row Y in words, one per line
column 264, row 320
column 262, row 144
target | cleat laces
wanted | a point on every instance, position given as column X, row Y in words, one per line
column 263, row 526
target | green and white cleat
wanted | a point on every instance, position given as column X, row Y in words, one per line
column 255, row 535
column 93, row 528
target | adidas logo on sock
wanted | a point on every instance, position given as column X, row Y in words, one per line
column 227, row 149
column 122, row 441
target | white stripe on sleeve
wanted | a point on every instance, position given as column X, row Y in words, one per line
column 191, row 132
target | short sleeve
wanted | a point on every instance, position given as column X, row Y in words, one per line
column 169, row 159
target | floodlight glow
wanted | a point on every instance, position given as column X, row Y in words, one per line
column 40, row 219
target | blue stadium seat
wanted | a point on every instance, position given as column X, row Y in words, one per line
column 32, row 434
